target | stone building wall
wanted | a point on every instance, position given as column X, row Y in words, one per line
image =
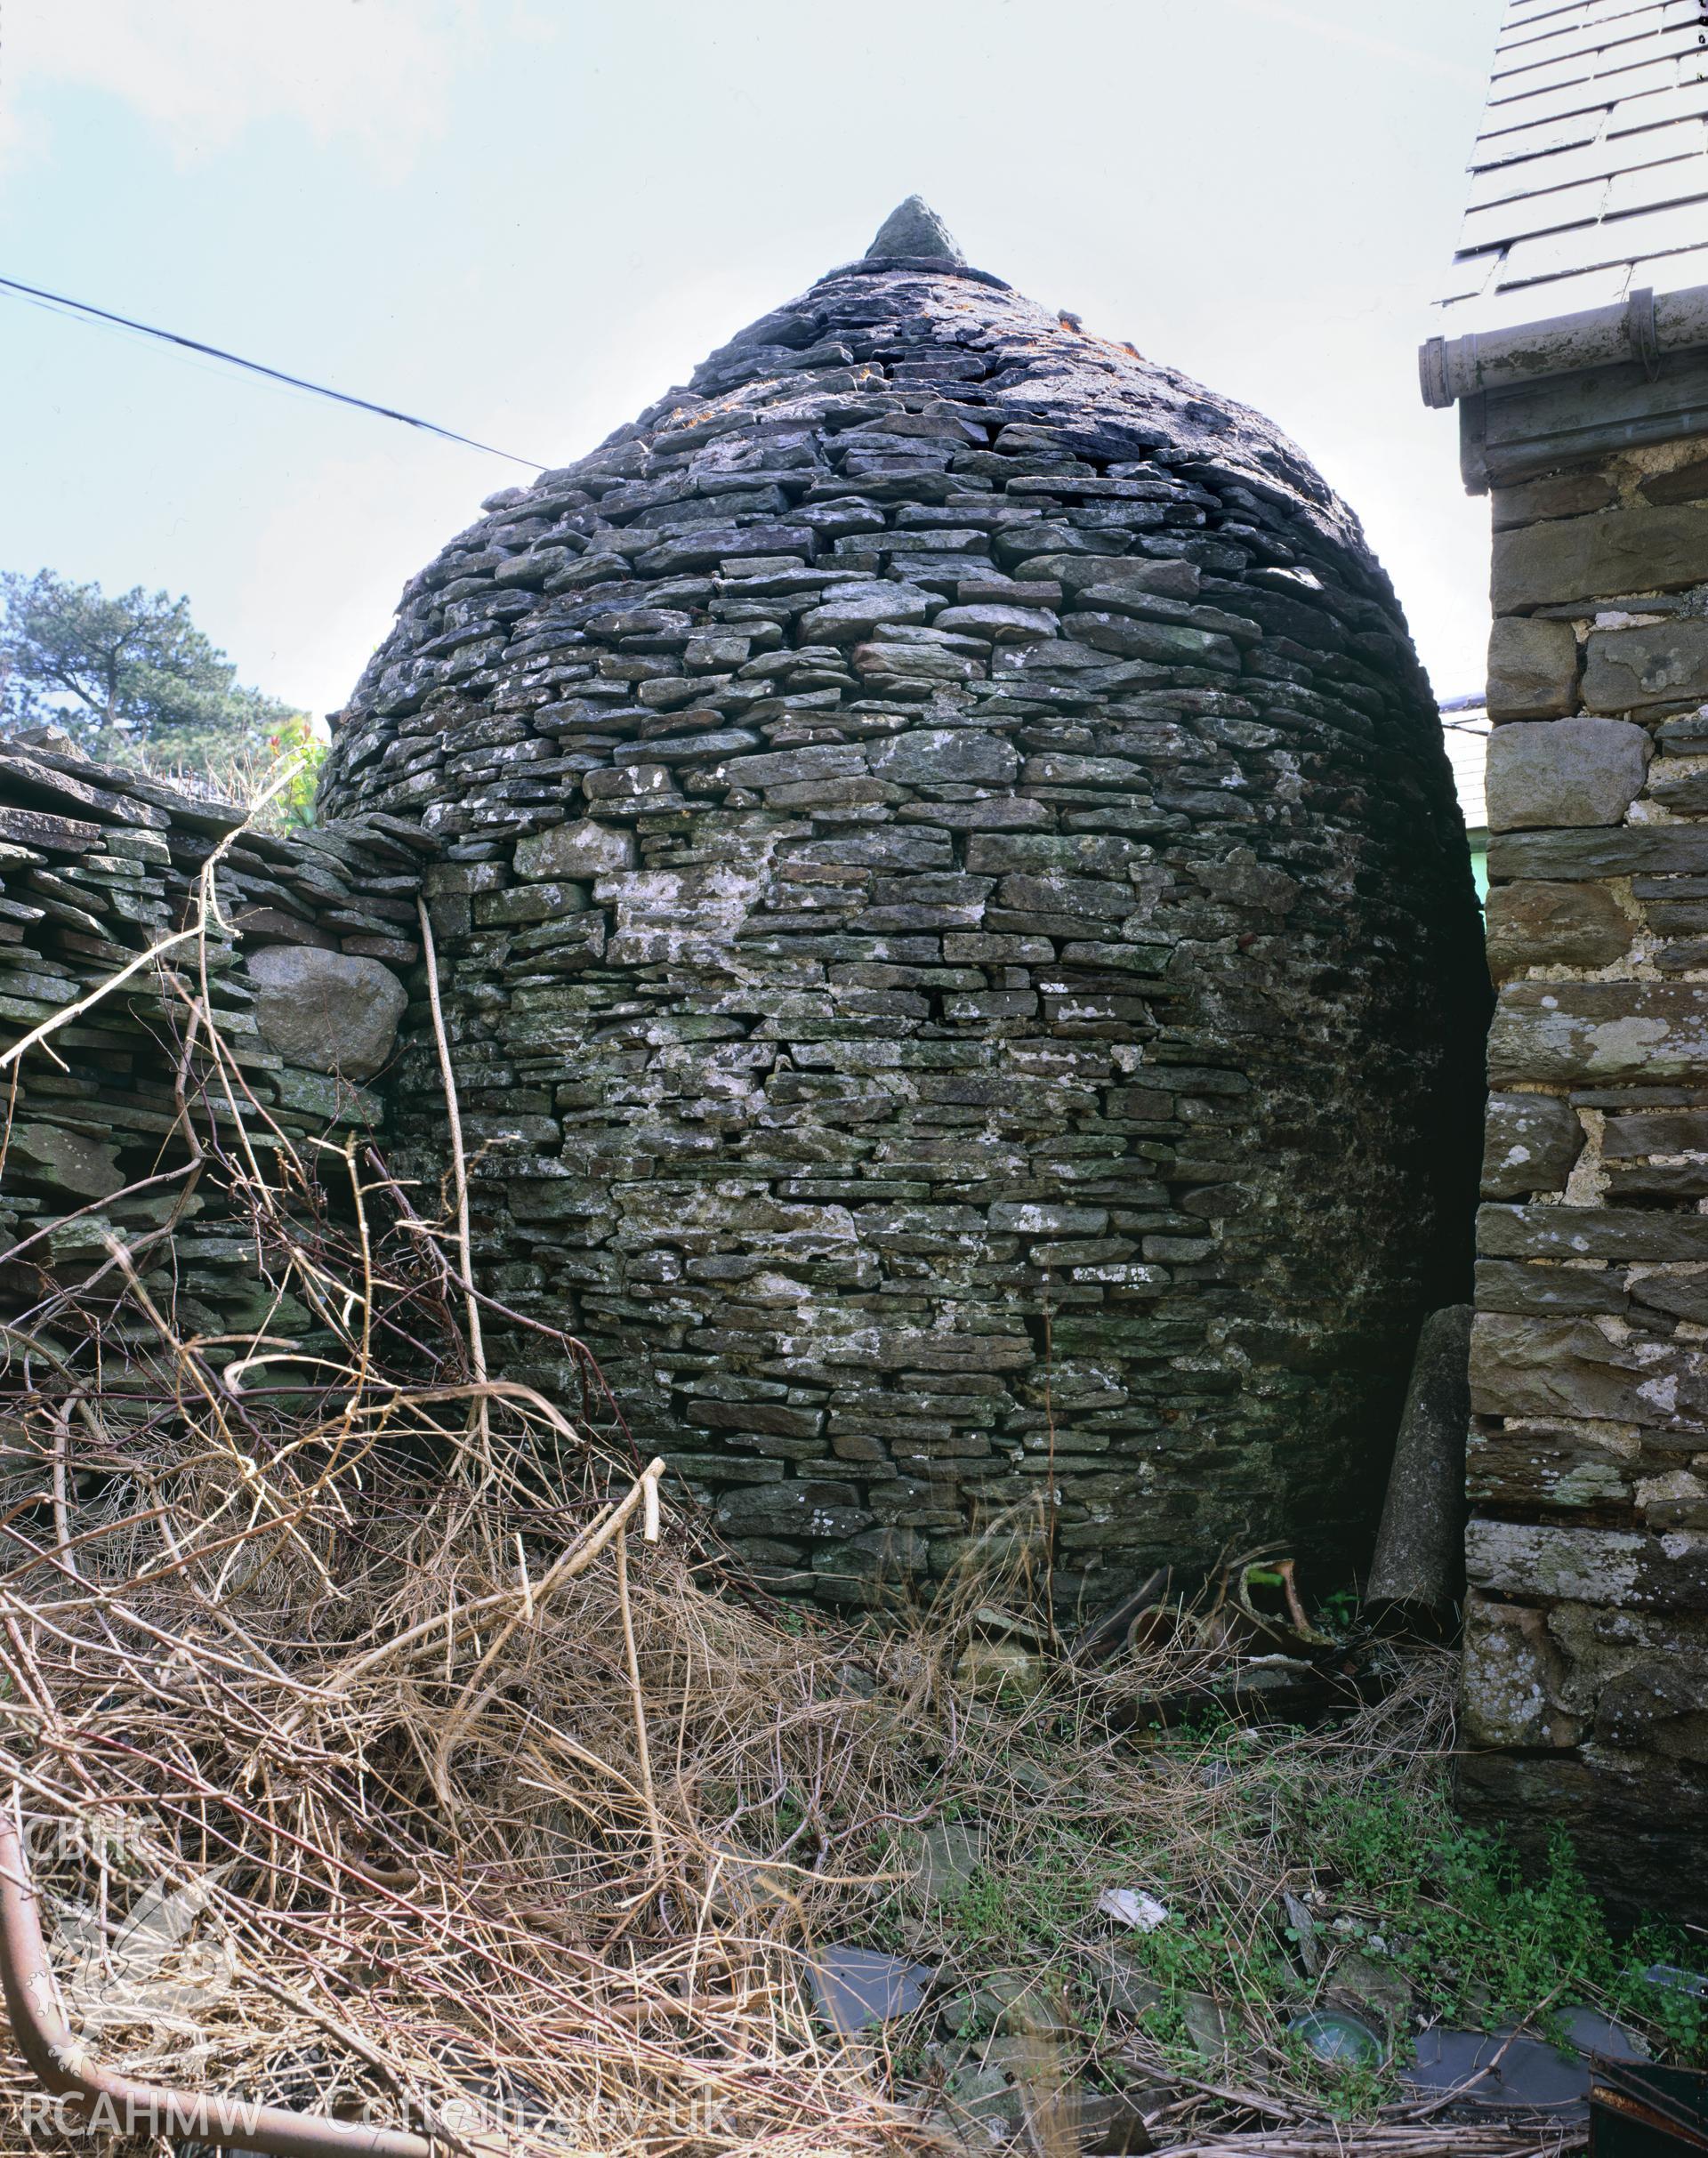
column 1587, row 1628
column 96, row 866
column 958, row 943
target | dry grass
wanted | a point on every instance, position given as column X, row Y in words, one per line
column 370, row 1754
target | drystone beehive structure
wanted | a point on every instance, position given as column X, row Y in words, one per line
column 957, row 943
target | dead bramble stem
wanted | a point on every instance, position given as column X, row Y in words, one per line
column 459, row 1166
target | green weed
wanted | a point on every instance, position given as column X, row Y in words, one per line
column 1441, row 1909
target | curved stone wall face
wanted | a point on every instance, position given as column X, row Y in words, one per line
column 958, row 940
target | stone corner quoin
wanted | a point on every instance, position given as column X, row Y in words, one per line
column 1586, row 1687
column 957, row 940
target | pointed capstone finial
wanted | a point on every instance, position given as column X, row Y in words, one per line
column 915, row 229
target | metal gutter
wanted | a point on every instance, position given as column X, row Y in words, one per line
column 67, row 2067
column 1638, row 329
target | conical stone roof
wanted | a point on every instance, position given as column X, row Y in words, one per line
column 957, row 934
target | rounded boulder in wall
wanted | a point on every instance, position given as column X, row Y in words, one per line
column 330, row 1010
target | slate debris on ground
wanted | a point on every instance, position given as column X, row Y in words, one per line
column 1512, row 2070
column 1001, row 2050
column 959, row 943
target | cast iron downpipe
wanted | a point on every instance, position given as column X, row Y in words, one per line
column 66, row 2067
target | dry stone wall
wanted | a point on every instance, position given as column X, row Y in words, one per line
column 1587, row 1651
column 956, row 935
column 97, row 866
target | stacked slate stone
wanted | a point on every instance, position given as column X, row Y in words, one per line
column 97, row 865
column 1587, row 1652
column 957, row 938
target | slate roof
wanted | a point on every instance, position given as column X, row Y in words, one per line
column 1590, row 175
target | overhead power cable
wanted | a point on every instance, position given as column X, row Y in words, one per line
column 278, row 375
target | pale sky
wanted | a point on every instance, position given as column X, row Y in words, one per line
column 524, row 219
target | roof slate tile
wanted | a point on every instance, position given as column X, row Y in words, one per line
column 1590, row 175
